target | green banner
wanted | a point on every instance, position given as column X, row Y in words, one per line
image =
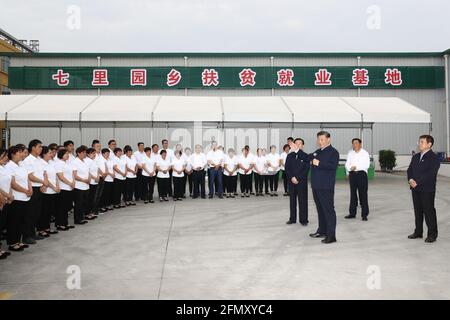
column 428, row 77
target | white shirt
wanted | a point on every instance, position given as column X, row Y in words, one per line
column 131, row 164
column 35, row 166
column 274, row 160
column 283, row 157
column 139, row 156
column 82, row 169
column 215, row 157
column 163, row 164
column 101, row 162
column 188, row 162
column 149, row 163
column 5, row 179
column 260, row 164
column 50, row 170
column 112, row 156
column 20, row 174
column 178, row 164
column 121, row 164
column 170, row 154
column 246, row 162
column 198, row 160
column 360, row 159
column 71, row 157
column 231, row 164
column 110, row 166
column 66, row 169
column 93, row 170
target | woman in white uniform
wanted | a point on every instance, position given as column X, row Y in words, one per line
column 273, row 167
column 6, row 196
column 188, row 171
column 148, row 174
column 163, row 176
column 66, row 180
column 108, row 190
column 81, row 190
column 131, row 177
column 230, row 168
column 283, row 156
column 120, row 171
column 21, row 190
column 49, row 194
column 259, row 171
column 245, row 171
column 178, row 165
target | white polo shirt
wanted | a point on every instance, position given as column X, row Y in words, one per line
column 101, row 162
column 188, row 162
column 20, row 174
column 231, row 164
column 131, row 164
column 216, row 158
column 177, row 164
column 35, row 166
column 149, row 163
column 93, row 170
column 360, row 159
column 66, row 169
column 170, row 153
column 139, row 156
column 121, row 164
column 5, row 179
column 110, row 165
column 274, row 160
column 163, row 164
column 260, row 164
column 246, row 162
column 82, row 169
column 50, row 170
column 198, row 160
column 283, row 157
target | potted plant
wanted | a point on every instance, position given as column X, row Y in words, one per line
column 387, row 160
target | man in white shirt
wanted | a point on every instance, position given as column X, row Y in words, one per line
column 101, row 164
column 170, row 155
column 139, row 155
column 70, row 146
column 112, row 144
column 215, row 158
column 198, row 162
column 35, row 169
column 357, row 165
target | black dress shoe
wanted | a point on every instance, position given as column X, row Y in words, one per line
column 430, row 239
column 415, row 236
column 3, row 256
column 329, row 240
column 29, row 241
column 364, row 219
column 15, row 249
column 304, row 224
column 350, row 217
column 290, row 222
column 317, row 235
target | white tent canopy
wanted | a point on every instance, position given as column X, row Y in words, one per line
column 270, row 109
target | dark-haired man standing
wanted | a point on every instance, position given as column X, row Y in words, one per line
column 325, row 161
column 357, row 166
column 422, row 173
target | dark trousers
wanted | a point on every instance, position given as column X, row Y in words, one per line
column 3, row 217
column 118, row 189
column 98, row 196
column 324, row 200
column 230, row 183
column 178, row 186
column 15, row 224
column 198, row 178
column 32, row 216
column 190, row 182
column 215, row 175
column 49, row 208
column 64, row 203
column 259, row 182
column 245, row 182
column 92, row 192
column 169, row 189
column 107, row 194
column 424, row 207
column 139, row 191
column 149, row 186
column 266, row 183
column 273, row 182
column 163, row 186
column 81, row 200
column 358, row 187
column 131, row 187
column 285, row 181
column 299, row 194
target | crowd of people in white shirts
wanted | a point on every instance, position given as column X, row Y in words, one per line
column 41, row 185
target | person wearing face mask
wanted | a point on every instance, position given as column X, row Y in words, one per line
column 22, row 190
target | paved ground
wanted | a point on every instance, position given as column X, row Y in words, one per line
column 241, row 249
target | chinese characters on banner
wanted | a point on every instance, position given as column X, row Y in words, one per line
column 210, row 77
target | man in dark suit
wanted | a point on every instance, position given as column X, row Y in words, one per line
column 325, row 161
column 297, row 168
column 422, row 173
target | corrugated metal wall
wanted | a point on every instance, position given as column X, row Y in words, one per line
column 401, row 138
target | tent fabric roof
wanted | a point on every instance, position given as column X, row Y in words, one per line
column 273, row 109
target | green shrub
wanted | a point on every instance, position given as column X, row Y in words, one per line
column 387, row 160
